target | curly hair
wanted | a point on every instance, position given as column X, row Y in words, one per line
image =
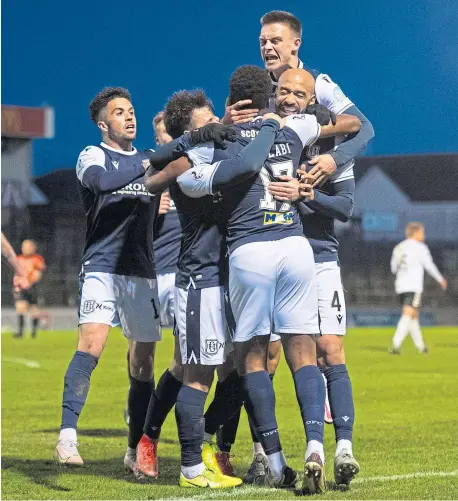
column 179, row 108
column 250, row 82
column 103, row 98
column 281, row 16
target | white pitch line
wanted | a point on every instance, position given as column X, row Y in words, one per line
column 32, row 364
column 238, row 491
column 418, row 474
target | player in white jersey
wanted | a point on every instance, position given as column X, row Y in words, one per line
column 409, row 261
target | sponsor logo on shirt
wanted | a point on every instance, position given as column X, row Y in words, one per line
column 133, row 189
column 278, row 218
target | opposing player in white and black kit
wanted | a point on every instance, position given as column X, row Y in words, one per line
column 118, row 278
column 409, row 261
column 272, row 277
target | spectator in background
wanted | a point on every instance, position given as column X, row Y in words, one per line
column 27, row 298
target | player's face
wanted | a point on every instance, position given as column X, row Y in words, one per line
column 279, row 46
column 161, row 134
column 294, row 93
column 119, row 120
column 420, row 235
column 28, row 248
column 202, row 116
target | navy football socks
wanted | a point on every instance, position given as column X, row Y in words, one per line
column 340, row 400
column 227, row 402
column 311, row 394
column 137, row 405
column 225, row 436
column 76, row 387
column 161, row 403
column 189, row 412
column 260, row 406
column 254, row 438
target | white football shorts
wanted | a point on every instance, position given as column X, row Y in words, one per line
column 203, row 324
column 331, row 300
column 166, row 291
column 273, row 288
column 131, row 302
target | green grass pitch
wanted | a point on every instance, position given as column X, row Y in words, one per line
column 406, row 431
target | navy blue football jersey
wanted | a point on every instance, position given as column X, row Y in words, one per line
column 251, row 213
column 119, row 234
column 202, row 261
column 167, row 240
column 319, row 228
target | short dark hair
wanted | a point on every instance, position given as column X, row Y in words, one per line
column 281, row 16
column 250, row 82
column 103, row 98
column 179, row 108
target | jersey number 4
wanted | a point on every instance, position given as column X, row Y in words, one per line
column 336, row 302
column 278, row 169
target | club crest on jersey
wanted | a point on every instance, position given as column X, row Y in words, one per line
column 145, row 163
column 212, row 346
column 313, row 151
column 278, row 218
column 88, row 306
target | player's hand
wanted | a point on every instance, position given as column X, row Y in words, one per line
column 164, row 204
column 287, row 190
column 323, row 115
column 444, row 284
column 20, row 283
column 213, row 131
column 274, row 116
column 323, row 166
column 306, row 192
column 234, row 115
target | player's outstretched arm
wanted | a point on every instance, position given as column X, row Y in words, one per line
column 158, row 181
column 330, row 95
column 345, row 124
column 339, row 205
column 216, row 132
column 353, row 146
column 250, row 160
column 92, row 173
column 207, row 179
column 20, row 279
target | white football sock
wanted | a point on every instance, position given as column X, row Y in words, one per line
column 277, row 462
column 401, row 331
column 208, row 437
column 314, row 446
column 67, row 434
column 258, row 449
column 131, row 452
column 344, row 444
column 192, row 471
column 415, row 332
